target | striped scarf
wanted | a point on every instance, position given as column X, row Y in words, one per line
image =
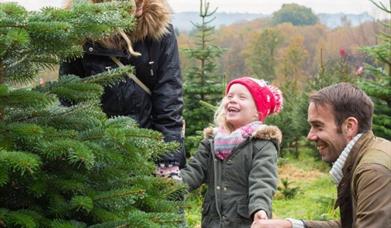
column 225, row 142
column 336, row 170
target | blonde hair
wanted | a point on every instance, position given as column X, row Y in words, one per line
column 220, row 117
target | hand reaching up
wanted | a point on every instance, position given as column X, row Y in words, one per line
column 168, row 171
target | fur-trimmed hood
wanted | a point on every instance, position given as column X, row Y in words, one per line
column 153, row 23
column 265, row 132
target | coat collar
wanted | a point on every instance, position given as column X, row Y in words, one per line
column 264, row 132
column 357, row 152
column 336, row 170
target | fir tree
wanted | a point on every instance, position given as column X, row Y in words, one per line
column 71, row 166
column 378, row 81
column 202, row 83
column 333, row 71
column 293, row 119
column 262, row 59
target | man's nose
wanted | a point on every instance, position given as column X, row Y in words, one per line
column 312, row 136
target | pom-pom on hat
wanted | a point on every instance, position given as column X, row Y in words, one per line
column 268, row 99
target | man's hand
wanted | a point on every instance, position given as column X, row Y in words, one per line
column 271, row 223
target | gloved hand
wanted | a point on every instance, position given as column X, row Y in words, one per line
column 168, row 170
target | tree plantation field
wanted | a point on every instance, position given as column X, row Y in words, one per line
column 260, row 48
column 73, row 166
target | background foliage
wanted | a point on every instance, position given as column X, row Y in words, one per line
column 377, row 80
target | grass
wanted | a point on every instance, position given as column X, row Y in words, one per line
column 314, row 200
column 193, row 209
column 317, row 193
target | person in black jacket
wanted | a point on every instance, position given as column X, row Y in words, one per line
column 152, row 49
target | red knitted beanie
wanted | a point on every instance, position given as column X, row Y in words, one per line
column 268, row 99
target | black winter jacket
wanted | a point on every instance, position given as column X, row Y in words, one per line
column 158, row 68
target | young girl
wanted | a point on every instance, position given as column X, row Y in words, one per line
column 237, row 160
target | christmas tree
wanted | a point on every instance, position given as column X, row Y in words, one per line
column 72, row 166
column 203, row 87
column 377, row 84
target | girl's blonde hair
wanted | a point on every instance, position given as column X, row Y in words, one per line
column 220, row 117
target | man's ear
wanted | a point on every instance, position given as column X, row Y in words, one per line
column 350, row 127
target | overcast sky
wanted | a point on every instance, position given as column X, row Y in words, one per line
column 250, row 6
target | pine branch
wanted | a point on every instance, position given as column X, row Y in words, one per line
column 81, row 203
column 51, row 32
column 20, row 162
column 21, row 218
column 73, row 152
column 23, row 98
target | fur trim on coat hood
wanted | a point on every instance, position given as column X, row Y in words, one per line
column 265, row 132
column 153, row 22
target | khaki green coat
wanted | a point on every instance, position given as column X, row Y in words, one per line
column 238, row 186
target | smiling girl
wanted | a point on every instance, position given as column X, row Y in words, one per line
column 237, row 159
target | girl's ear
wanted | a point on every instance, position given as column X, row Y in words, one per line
column 350, row 127
column 256, row 116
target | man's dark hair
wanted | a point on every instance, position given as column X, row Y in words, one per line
column 346, row 101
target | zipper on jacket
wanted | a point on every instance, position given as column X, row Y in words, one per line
column 216, row 187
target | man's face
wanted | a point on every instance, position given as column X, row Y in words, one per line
column 325, row 133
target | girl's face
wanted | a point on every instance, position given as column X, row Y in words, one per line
column 239, row 106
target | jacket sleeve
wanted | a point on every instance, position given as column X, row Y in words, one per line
column 373, row 194
column 196, row 171
column 322, row 224
column 262, row 177
column 167, row 97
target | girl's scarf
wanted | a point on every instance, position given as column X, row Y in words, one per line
column 225, row 142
